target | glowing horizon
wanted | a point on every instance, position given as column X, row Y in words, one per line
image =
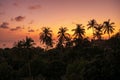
column 20, row 18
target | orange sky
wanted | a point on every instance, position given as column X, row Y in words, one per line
column 20, row 18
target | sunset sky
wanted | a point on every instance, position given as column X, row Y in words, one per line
column 20, row 18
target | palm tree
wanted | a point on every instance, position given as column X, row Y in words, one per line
column 63, row 36
column 29, row 42
column 46, row 37
column 79, row 32
column 19, row 44
column 92, row 24
column 108, row 27
column 26, row 46
column 98, row 31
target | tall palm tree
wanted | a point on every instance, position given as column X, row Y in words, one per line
column 79, row 32
column 108, row 27
column 98, row 31
column 26, row 46
column 46, row 37
column 92, row 24
column 29, row 42
column 63, row 36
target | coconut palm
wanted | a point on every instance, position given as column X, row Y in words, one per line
column 92, row 24
column 108, row 27
column 63, row 37
column 29, row 42
column 46, row 37
column 98, row 31
column 19, row 44
column 26, row 45
column 79, row 32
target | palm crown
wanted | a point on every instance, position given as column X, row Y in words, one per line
column 108, row 27
column 92, row 24
column 79, row 31
column 63, row 36
column 46, row 36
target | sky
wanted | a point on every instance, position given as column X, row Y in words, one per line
column 21, row 18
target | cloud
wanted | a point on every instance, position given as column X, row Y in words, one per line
column 31, row 30
column 15, row 29
column 19, row 18
column 4, row 25
column 33, row 7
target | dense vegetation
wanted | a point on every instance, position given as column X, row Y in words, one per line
column 76, row 58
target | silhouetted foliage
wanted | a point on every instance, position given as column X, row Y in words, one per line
column 79, row 32
column 46, row 37
column 79, row 59
column 98, row 31
column 108, row 27
column 63, row 37
column 27, row 43
column 92, row 24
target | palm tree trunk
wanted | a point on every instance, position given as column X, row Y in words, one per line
column 93, row 33
column 46, row 48
column 109, row 35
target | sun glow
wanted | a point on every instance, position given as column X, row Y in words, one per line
column 26, row 17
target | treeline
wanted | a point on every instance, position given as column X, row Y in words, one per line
column 76, row 58
column 64, row 39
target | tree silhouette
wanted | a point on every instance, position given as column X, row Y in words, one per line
column 46, row 37
column 79, row 32
column 19, row 44
column 108, row 27
column 26, row 46
column 29, row 42
column 63, row 37
column 92, row 24
column 98, row 31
